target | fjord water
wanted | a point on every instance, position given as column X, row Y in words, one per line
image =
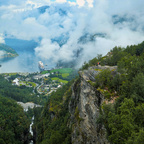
column 27, row 61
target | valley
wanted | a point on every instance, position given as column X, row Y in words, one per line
column 71, row 72
column 32, row 90
column 59, row 106
column 40, row 84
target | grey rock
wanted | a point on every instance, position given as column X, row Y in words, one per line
column 85, row 109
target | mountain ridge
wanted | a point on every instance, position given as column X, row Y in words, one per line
column 8, row 52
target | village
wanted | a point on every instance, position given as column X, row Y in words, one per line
column 44, row 82
column 40, row 82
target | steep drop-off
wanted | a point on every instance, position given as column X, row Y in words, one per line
column 70, row 115
column 85, row 107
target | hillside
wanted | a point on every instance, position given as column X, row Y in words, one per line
column 105, row 104
column 14, row 124
column 7, row 52
column 20, row 93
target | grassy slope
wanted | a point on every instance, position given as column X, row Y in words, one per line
column 63, row 70
column 60, row 80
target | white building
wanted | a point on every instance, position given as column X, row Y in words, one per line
column 15, row 81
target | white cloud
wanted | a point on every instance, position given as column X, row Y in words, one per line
column 61, row 1
column 80, row 2
column 2, row 38
column 72, row 3
column 68, row 21
column 90, row 3
column 2, row 53
column 48, row 50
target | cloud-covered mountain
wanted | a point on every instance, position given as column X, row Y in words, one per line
column 66, row 30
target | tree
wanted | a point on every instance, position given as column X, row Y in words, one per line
column 137, row 88
column 122, row 124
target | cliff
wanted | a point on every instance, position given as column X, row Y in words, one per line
column 71, row 113
column 85, row 106
column 105, row 104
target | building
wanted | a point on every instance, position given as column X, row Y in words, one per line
column 15, row 81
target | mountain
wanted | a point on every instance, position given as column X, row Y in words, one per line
column 7, row 52
column 105, row 104
column 43, row 9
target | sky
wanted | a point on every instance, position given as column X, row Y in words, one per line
column 68, row 26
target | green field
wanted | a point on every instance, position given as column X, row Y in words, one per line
column 10, row 74
column 63, row 70
column 60, row 80
column 28, row 83
column 64, row 75
column 44, row 72
column 33, row 84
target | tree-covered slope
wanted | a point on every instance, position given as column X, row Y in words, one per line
column 14, row 125
column 124, row 117
column 51, row 126
column 19, row 93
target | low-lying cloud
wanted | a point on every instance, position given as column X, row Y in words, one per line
column 62, row 28
column 2, row 39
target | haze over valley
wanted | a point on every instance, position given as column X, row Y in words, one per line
column 53, row 31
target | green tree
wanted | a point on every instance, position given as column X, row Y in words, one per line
column 122, row 124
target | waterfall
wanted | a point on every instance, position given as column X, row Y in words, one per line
column 31, row 131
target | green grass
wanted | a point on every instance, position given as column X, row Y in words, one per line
column 64, row 75
column 33, row 84
column 28, row 83
column 60, row 80
column 44, row 72
column 11, row 74
column 63, row 70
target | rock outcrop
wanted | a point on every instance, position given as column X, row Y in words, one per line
column 85, row 109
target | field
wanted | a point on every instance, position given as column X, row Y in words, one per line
column 64, row 75
column 28, row 83
column 63, row 70
column 44, row 72
column 60, row 80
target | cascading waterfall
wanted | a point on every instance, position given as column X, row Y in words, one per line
column 31, row 131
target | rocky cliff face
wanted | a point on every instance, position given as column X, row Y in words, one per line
column 85, row 109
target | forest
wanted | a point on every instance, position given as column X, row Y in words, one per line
column 19, row 93
column 124, row 120
column 51, row 126
column 14, row 124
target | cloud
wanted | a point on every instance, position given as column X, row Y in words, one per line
column 72, row 3
column 2, row 38
column 47, row 49
column 61, row 1
column 64, row 28
column 90, row 3
column 80, row 2
column 2, row 53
